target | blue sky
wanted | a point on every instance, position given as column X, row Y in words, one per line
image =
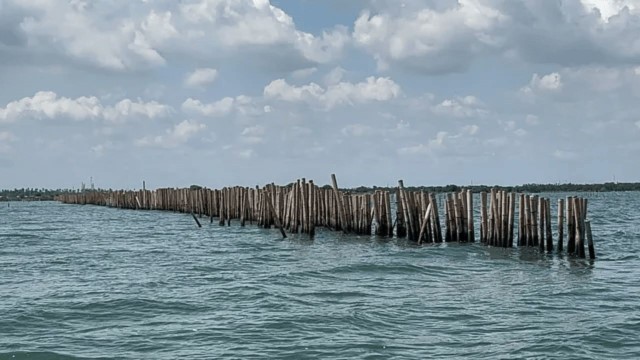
column 246, row 92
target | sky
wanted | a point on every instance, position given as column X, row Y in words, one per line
column 249, row 92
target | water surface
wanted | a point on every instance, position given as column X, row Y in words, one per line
column 91, row 282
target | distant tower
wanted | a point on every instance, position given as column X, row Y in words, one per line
column 91, row 182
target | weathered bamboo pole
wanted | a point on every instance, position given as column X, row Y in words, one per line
column 571, row 229
column 560, row 224
column 577, row 211
column 436, row 218
column 275, row 215
column 196, row 219
column 470, row 230
column 512, row 211
column 592, row 251
column 427, row 216
column 547, row 223
column 341, row 214
column 541, row 220
column 483, row 217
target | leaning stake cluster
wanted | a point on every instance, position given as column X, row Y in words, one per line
column 302, row 206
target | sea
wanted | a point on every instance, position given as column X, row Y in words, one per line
column 90, row 282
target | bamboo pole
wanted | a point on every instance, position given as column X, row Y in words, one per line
column 592, row 251
column 470, row 230
column 425, row 220
column 483, row 217
column 547, row 223
column 560, row 224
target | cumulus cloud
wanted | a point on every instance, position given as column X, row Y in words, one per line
column 432, row 145
column 342, row 93
column 545, row 84
column 437, row 37
column 178, row 135
column 126, row 109
column 48, row 105
column 73, row 29
column 550, row 82
column 428, row 39
column 303, row 73
column 461, row 107
column 141, row 34
column 575, row 83
column 201, row 77
column 241, row 104
column 253, row 134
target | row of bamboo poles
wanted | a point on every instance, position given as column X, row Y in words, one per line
column 302, row 206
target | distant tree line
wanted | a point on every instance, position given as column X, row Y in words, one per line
column 526, row 188
column 33, row 194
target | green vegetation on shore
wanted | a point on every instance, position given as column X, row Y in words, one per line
column 26, row 194
column 526, row 188
column 29, row 194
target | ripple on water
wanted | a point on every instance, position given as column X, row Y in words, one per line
column 84, row 282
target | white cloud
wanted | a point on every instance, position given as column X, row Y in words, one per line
column 434, row 144
column 342, row 93
column 427, row 39
column 546, row 84
column 74, row 30
column 334, row 76
column 551, row 82
column 174, row 137
column 253, row 134
column 47, row 104
column 638, row 124
column 461, row 107
column 609, row 8
column 441, row 36
column 201, row 77
column 241, row 104
column 303, row 73
column 126, row 109
column 131, row 35
column 219, row 108
column 235, row 24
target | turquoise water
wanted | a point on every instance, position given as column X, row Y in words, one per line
column 90, row 282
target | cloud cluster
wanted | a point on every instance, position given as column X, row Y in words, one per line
column 431, row 37
column 136, row 35
column 173, row 137
column 48, row 105
column 342, row 93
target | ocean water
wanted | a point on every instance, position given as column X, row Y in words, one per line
column 88, row 282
